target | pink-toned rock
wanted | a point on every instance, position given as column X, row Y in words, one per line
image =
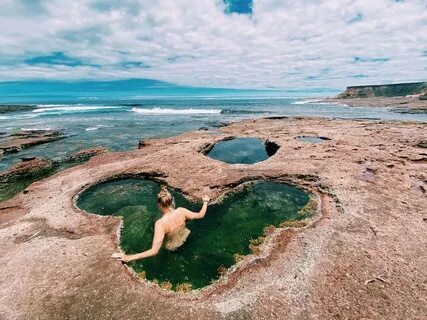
column 363, row 259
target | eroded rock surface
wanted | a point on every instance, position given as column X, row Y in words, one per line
column 27, row 138
column 365, row 258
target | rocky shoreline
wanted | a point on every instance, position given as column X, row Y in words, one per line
column 6, row 108
column 363, row 258
column 401, row 104
column 23, row 139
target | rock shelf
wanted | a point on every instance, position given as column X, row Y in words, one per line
column 363, row 257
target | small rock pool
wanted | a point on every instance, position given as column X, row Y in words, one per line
column 242, row 150
column 230, row 229
column 312, row 139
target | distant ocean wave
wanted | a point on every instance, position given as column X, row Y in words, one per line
column 317, row 101
column 18, row 117
column 70, row 108
column 168, row 111
column 307, row 101
column 99, row 126
column 240, row 111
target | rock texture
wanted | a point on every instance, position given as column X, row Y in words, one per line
column 26, row 169
column 365, row 258
column 399, row 104
column 28, row 138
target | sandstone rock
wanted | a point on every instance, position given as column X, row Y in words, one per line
column 26, row 169
column 421, row 144
column 85, row 154
column 28, row 138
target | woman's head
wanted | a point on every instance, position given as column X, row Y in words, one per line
column 165, row 199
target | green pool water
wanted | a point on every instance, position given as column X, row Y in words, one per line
column 9, row 187
column 240, row 150
column 225, row 230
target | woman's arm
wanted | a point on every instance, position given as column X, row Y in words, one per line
column 159, row 234
column 198, row 215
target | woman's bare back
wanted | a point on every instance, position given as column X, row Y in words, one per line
column 171, row 226
column 173, row 220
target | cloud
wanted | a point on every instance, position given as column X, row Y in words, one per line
column 216, row 43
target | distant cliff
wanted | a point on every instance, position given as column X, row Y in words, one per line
column 386, row 90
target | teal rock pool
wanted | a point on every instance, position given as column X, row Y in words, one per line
column 312, row 139
column 231, row 229
column 242, row 150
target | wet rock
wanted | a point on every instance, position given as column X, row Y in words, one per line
column 271, row 147
column 206, row 147
column 142, row 144
column 85, row 154
column 203, row 128
column 27, row 169
column 28, row 158
column 5, row 108
column 421, row 144
column 28, row 138
column 219, row 124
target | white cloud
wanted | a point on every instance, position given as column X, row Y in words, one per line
column 283, row 44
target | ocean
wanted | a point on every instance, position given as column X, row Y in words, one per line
column 119, row 124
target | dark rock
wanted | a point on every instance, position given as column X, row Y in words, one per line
column 204, row 128
column 271, row 147
column 141, row 144
column 27, row 170
column 28, row 158
column 84, row 155
column 421, row 144
column 205, row 148
column 276, row 117
column 5, row 108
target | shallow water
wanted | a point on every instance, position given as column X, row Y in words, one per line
column 239, row 150
column 312, row 139
column 12, row 186
column 225, row 230
column 119, row 124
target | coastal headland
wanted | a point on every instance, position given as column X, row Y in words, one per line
column 362, row 256
column 404, row 97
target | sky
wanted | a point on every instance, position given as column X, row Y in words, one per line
column 244, row 44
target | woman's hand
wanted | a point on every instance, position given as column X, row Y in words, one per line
column 121, row 257
column 206, row 198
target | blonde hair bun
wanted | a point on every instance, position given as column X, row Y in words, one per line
column 165, row 198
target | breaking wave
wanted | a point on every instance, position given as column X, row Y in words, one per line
column 157, row 111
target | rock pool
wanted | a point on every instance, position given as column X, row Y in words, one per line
column 242, row 150
column 215, row 242
column 312, row 139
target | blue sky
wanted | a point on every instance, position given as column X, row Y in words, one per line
column 259, row 44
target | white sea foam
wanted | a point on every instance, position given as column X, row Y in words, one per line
column 307, row 101
column 321, row 102
column 37, row 128
column 157, row 111
column 68, row 108
column 18, row 117
column 94, row 128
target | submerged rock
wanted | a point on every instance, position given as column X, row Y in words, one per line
column 85, row 154
column 27, row 138
column 27, row 169
column 5, row 108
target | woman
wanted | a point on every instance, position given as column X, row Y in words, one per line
column 171, row 225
